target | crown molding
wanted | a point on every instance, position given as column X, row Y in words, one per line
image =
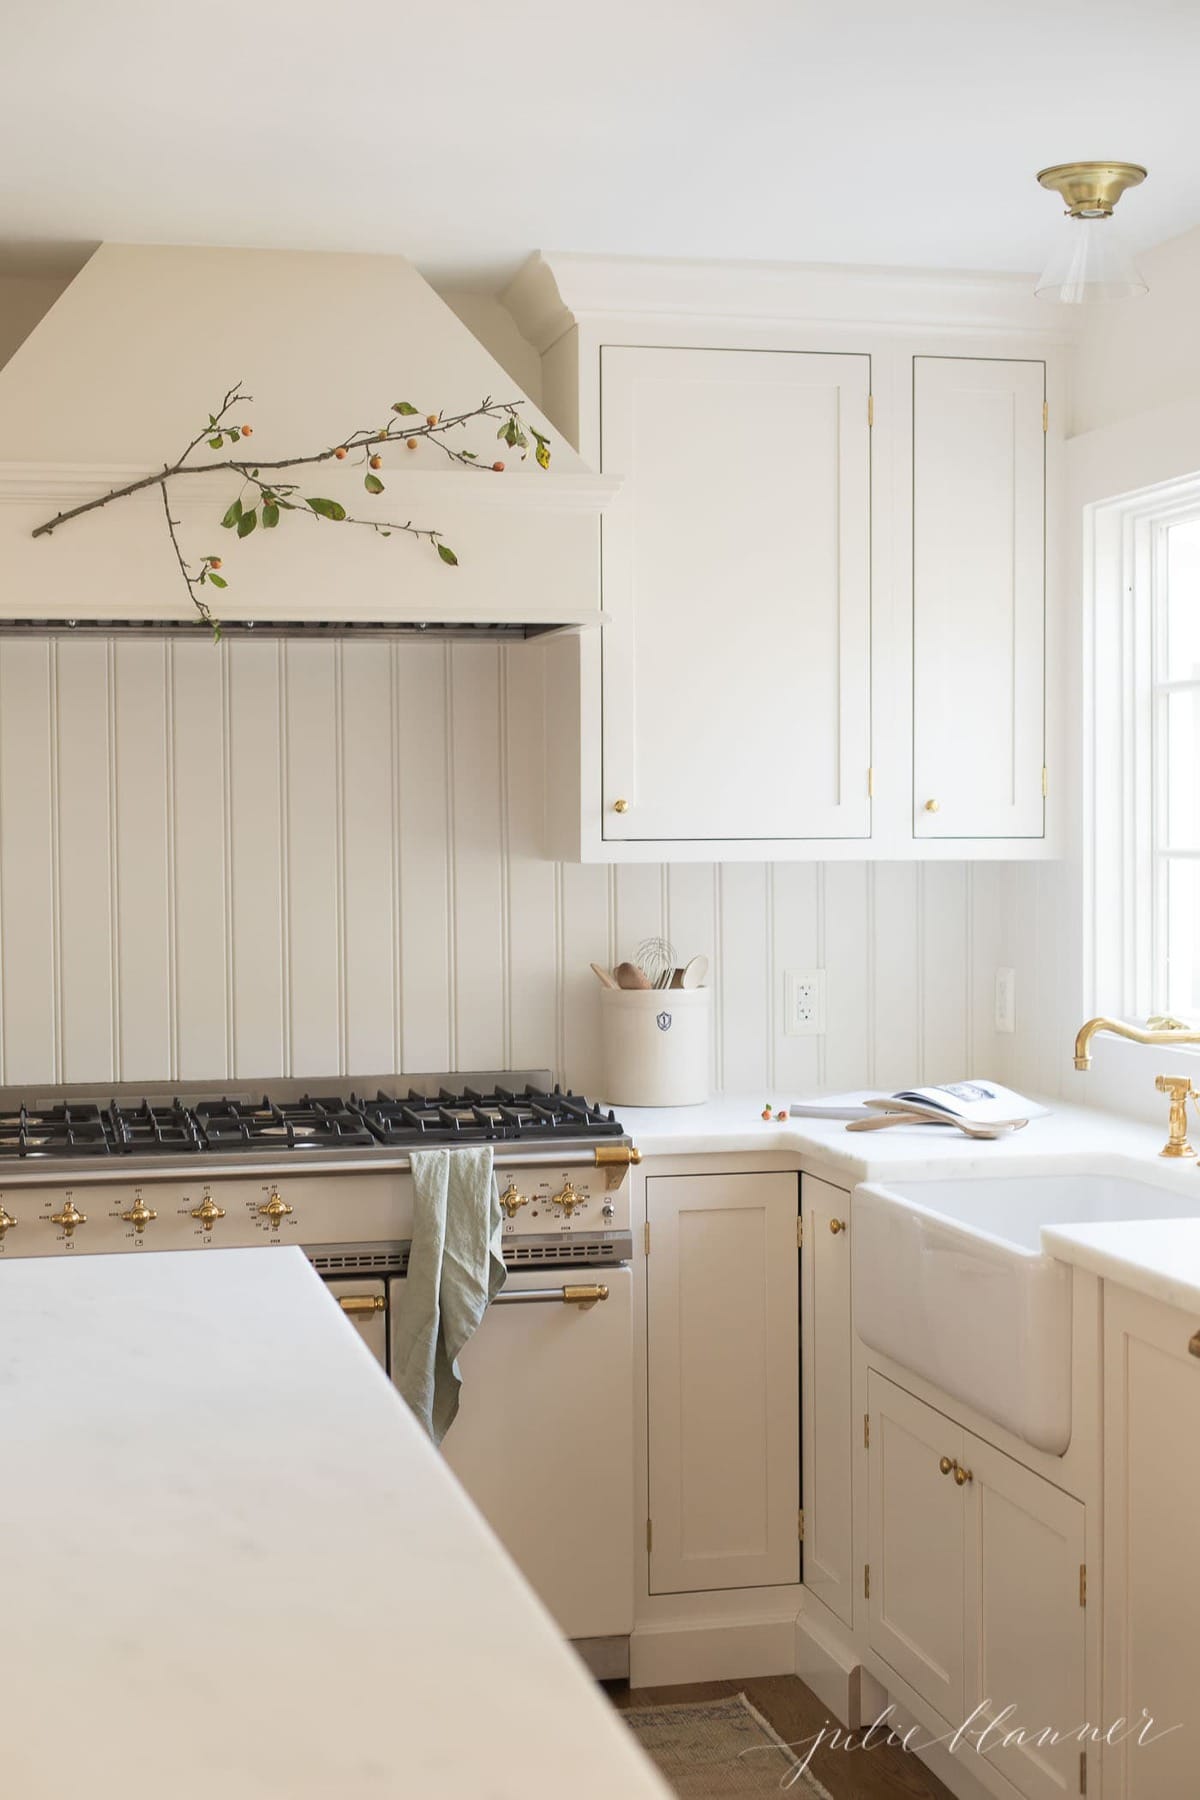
column 555, row 290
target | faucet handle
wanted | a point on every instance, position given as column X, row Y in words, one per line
column 1180, row 1088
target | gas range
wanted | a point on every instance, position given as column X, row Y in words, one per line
column 320, row 1164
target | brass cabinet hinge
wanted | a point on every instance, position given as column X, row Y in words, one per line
column 1045, row 415
column 1083, row 1771
column 649, row 1535
column 866, row 1431
column 646, row 1237
column 1045, row 781
column 800, row 1525
column 799, row 1232
column 870, row 409
column 1083, row 1584
column 870, row 784
column 866, row 1581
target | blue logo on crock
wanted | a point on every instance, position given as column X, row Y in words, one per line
column 663, row 1021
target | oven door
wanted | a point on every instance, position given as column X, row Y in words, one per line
column 364, row 1303
column 543, row 1441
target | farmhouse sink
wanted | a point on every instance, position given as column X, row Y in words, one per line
column 950, row 1280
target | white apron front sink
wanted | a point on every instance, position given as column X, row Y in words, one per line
column 951, row 1281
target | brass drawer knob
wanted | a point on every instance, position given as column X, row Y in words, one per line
column 961, row 1475
column 945, row 1465
column 621, row 806
column 933, row 806
column 1193, row 1343
column 836, row 1225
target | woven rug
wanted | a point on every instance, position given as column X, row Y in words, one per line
column 720, row 1750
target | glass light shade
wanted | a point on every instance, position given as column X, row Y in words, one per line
column 1090, row 263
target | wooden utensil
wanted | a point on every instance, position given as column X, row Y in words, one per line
column 880, row 1122
column 602, row 975
column 630, row 977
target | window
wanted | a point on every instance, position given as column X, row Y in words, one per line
column 1175, row 842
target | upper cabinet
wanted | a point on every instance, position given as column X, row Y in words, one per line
column 979, row 611
column 824, row 576
column 737, row 584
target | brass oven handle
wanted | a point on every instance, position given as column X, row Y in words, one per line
column 565, row 1296
column 362, row 1303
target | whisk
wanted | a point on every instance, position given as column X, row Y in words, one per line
column 655, row 957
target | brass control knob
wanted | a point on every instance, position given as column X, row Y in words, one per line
column 512, row 1201
column 933, row 806
column 945, row 1465
column 275, row 1208
column 7, row 1222
column 836, row 1225
column 568, row 1199
column 620, row 806
column 208, row 1212
column 139, row 1214
column 69, row 1217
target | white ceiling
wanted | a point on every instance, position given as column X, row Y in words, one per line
column 466, row 133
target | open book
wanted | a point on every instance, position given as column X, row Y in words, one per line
column 982, row 1104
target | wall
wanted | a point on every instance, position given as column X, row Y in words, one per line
column 324, row 859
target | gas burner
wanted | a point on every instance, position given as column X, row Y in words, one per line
column 473, row 1117
column 78, row 1129
column 305, row 1124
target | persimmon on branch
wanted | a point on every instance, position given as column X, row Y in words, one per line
column 266, row 493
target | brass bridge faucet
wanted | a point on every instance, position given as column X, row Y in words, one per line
column 1161, row 1030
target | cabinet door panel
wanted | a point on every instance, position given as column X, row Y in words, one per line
column 723, row 1380
column 1151, row 1537
column 915, row 1531
column 825, row 1371
column 736, row 685
column 1025, row 1630
column 978, row 597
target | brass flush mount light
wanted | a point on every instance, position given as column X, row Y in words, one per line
column 1090, row 262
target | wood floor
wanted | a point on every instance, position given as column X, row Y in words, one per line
column 880, row 1773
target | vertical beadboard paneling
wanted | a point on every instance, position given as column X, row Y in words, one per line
column 200, row 862
column 423, row 796
column 480, row 927
column 945, row 982
column 638, row 907
column 28, row 1035
column 849, row 962
column 256, row 825
column 898, row 974
column 370, row 896
column 744, row 975
column 690, row 922
column 88, row 1002
column 585, row 931
column 533, row 949
column 145, row 955
column 312, row 876
column 795, row 922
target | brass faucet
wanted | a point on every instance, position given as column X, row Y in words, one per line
column 1161, row 1030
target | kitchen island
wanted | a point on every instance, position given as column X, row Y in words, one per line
column 234, row 1566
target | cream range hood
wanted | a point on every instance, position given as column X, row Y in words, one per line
column 129, row 362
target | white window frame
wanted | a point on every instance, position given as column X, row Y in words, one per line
column 1124, row 759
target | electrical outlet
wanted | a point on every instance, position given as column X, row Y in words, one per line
column 1006, row 1000
column 803, row 1002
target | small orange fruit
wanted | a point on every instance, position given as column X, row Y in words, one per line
column 377, row 462
column 340, row 452
column 431, row 418
column 412, row 443
column 247, row 430
column 499, row 468
column 214, row 562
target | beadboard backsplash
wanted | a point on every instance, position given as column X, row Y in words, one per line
column 324, row 859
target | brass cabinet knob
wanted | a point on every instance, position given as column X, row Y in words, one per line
column 961, row 1475
column 8, row 1223
column 69, row 1217
column 139, row 1214
column 568, row 1199
column 1193, row 1341
column 511, row 1200
column 208, row 1212
column 275, row 1207
column 836, row 1225
column 933, row 806
column 945, row 1465
column 621, row 806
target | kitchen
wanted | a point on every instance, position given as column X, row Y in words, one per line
column 830, row 618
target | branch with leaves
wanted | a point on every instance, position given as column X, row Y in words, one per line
column 266, row 492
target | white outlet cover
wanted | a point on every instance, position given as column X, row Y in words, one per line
column 1006, row 1000
column 803, row 1002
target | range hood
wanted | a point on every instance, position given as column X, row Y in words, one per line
column 138, row 351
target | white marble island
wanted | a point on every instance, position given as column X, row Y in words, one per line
column 232, row 1564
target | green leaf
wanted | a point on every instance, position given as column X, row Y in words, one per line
column 212, row 418
column 447, row 555
column 404, row 409
column 246, row 523
column 326, row 509
column 372, row 484
column 235, row 437
column 270, row 515
column 217, row 580
column 232, row 516
column 470, row 455
column 215, row 443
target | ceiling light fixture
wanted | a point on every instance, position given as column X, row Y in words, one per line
column 1090, row 262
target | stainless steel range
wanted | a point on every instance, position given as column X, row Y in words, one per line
column 544, row 1440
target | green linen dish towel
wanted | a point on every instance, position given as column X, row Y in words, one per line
column 454, row 1270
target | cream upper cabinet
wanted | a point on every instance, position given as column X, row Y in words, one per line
column 1151, row 1545
column 737, row 584
column 723, row 1381
column 826, row 1384
column 978, row 600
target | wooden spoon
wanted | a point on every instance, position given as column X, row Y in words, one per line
column 602, row 976
column 630, row 977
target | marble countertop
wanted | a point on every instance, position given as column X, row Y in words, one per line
column 1156, row 1257
column 234, row 1566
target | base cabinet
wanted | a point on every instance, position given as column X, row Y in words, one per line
column 723, row 1382
column 826, row 1382
column 1151, row 1546
column 975, row 1589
